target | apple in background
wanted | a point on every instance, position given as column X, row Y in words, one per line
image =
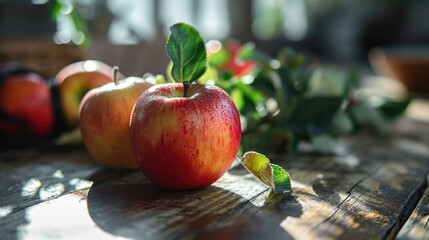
column 104, row 120
column 228, row 55
column 26, row 111
column 75, row 80
column 185, row 142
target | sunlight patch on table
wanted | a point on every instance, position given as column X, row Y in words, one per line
column 58, row 174
column 66, row 217
column 80, row 183
column 51, row 191
column 4, row 211
column 31, row 187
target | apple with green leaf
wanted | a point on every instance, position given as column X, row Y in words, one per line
column 184, row 135
column 104, row 118
column 74, row 81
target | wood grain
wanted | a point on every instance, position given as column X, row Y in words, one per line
column 32, row 176
column 417, row 226
column 366, row 191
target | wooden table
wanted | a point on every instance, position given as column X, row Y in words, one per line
column 376, row 187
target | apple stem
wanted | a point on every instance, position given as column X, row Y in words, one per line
column 115, row 74
column 186, row 85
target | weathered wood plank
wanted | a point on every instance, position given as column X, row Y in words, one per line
column 65, row 217
column 31, row 176
column 417, row 226
column 128, row 205
column 331, row 204
column 365, row 192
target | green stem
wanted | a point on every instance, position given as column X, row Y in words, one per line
column 186, row 85
column 115, row 74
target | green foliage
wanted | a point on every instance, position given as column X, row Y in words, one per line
column 186, row 49
column 289, row 100
column 284, row 100
column 77, row 21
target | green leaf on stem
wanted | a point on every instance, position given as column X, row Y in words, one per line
column 393, row 108
column 313, row 116
column 270, row 174
column 366, row 115
column 187, row 51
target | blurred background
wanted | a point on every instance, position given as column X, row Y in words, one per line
column 48, row 34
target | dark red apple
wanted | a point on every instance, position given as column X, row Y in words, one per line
column 25, row 105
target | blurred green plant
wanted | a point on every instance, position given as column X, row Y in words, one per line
column 66, row 10
column 287, row 99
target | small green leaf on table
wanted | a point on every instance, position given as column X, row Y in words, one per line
column 268, row 173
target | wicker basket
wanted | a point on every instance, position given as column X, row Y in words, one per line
column 41, row 55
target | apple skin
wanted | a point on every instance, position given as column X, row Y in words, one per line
column 74, row 81
column 104, row 120
column 26, row 100
column 185, row 143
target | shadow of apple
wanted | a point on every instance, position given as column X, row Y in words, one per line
column 130, row 206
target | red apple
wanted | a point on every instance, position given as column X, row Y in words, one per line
column 236, row 66
column 25, row 106
column 104, row 118
column 75, row 80
column 185, row 142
